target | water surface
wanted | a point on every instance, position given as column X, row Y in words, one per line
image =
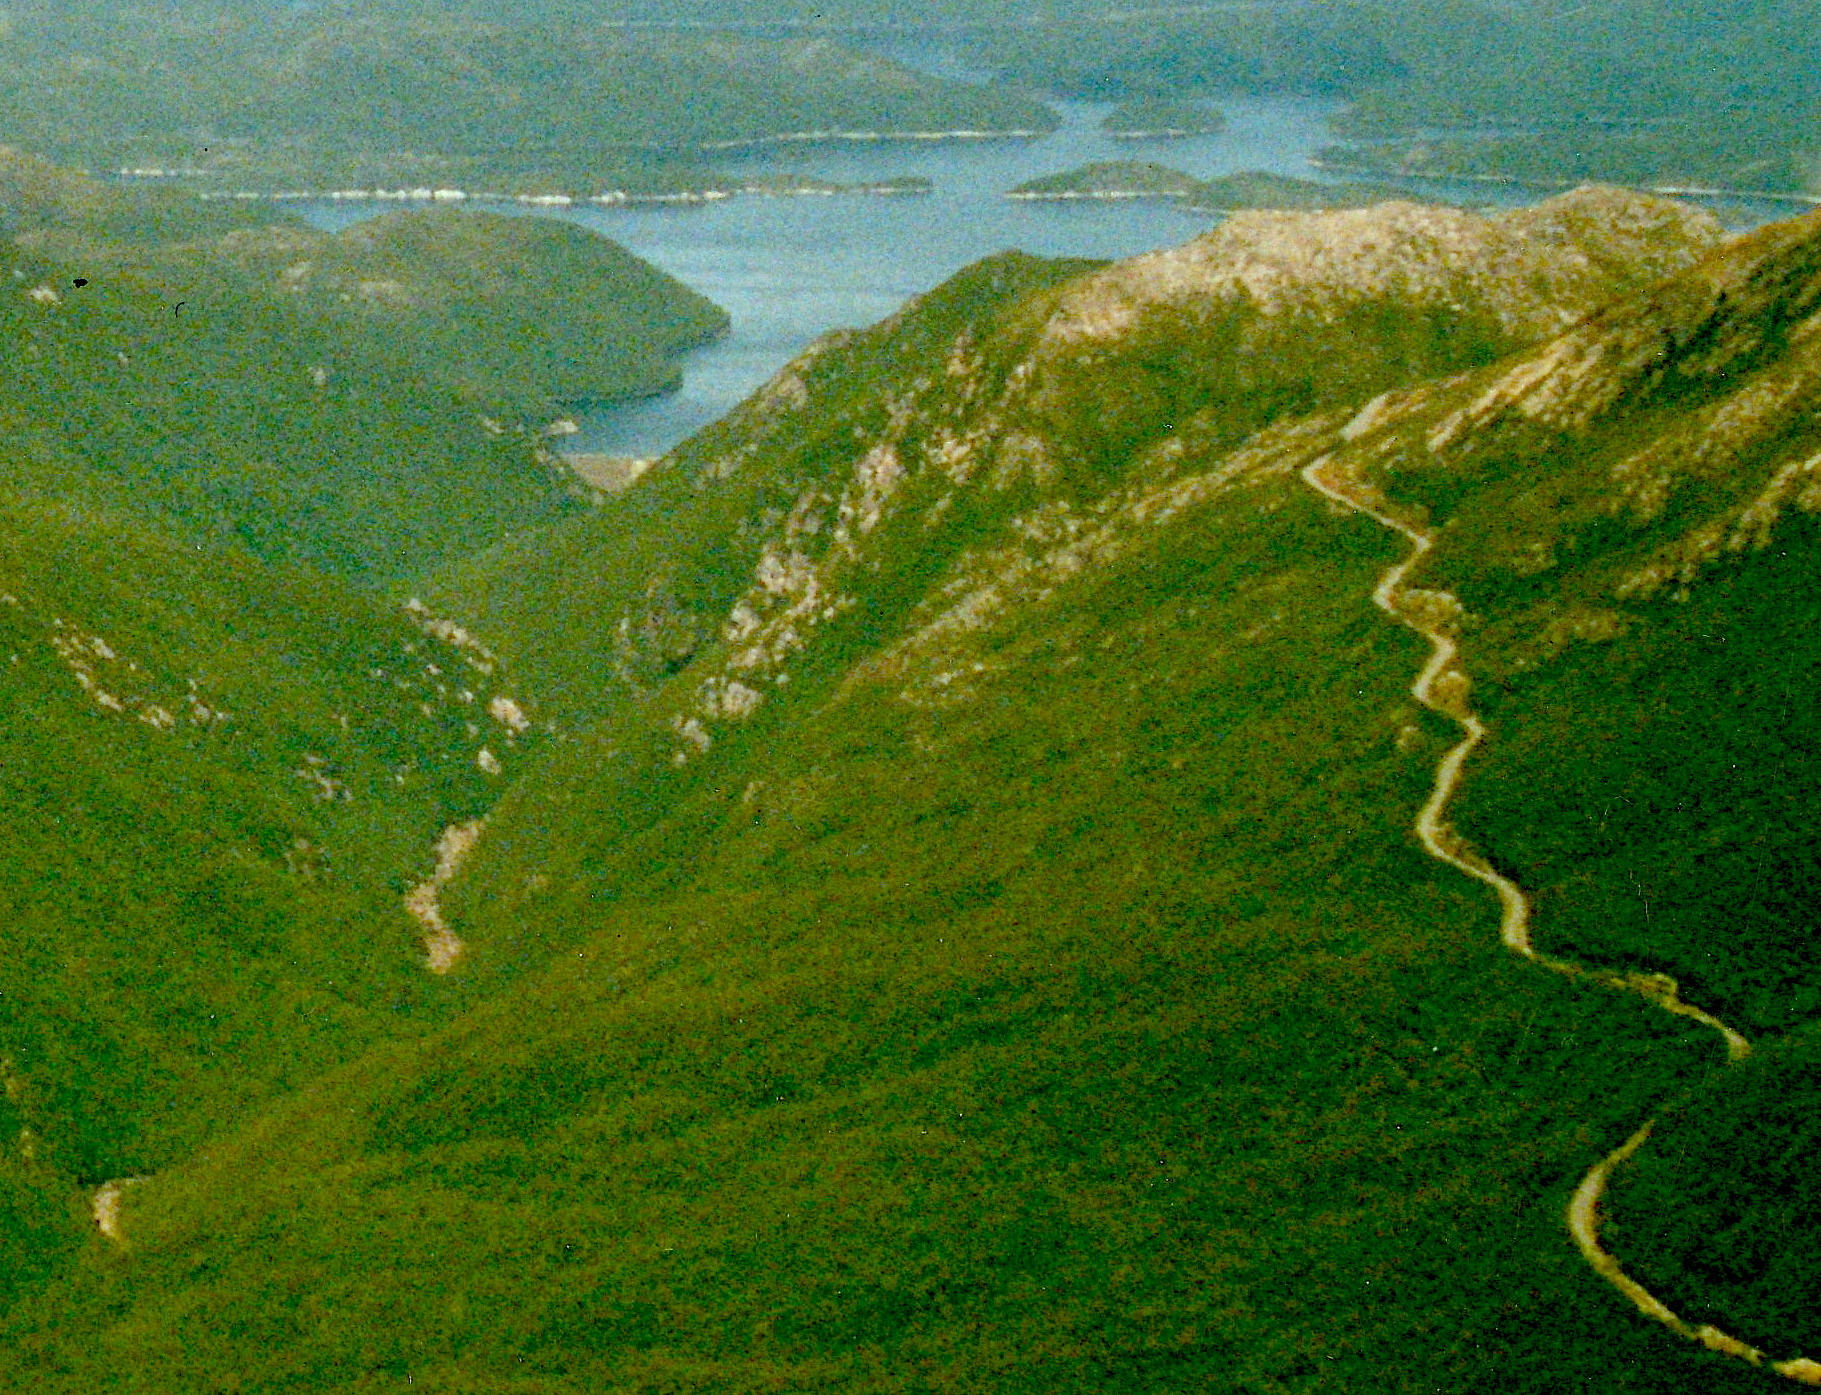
column 790, row 269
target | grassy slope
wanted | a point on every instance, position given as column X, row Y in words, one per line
column 1654, row 775
column 1084, row 1019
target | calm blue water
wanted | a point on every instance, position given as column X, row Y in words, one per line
column 790, row 269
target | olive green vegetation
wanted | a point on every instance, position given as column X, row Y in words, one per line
column 219, row 778
column 1715, row 1212
column 220, row 768
column 1158, row 117
column 859, row 1097
column 1675, row 837
column 365, row 402
column 255, row 98
column 671, row 556
column 1041, row 990
column 1645, row 658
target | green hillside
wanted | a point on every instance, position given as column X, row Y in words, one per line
column 365, row 402
column 968, row 932
column 222, row 767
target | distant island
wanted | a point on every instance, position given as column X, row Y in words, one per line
column 1141, row 179
column 1110, row 179
column 1154, row 118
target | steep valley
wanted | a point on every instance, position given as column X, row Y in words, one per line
column 954, row 917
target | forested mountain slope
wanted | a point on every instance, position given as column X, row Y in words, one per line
column 971, row 934
column 223, row 765
column 367, row 402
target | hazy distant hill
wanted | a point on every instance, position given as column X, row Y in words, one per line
column 317, row 99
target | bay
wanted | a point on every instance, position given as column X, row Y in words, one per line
column 790, row 269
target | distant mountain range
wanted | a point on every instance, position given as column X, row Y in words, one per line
column 331, row 98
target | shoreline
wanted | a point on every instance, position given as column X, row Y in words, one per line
column 1516, row 181
column 840, row 137
column 610, row 198
column 1108, row 195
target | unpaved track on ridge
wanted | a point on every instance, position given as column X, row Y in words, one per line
column 1443, row 688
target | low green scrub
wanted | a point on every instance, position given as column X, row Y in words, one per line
column 1106, row 1026
column 1712, row 1216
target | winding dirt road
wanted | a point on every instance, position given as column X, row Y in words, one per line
column 1443, row 687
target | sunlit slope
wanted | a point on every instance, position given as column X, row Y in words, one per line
column 1007, row 388
column 1093, row 1026
column 1040, row 988
column 1628, row 518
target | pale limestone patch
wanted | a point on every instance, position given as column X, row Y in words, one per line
column 105, row 1207
column 442, row 948
column 474, row 653
column 508, row 714
column 1276, row 262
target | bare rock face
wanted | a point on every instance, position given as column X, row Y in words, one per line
column 1029, row 446
column 1629, row 237
column 1532, row 271
column 1279, row 313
